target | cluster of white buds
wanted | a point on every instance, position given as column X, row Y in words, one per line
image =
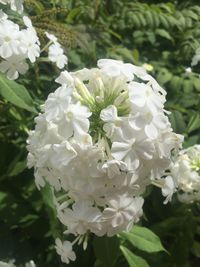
column 16, row 46
column 101, row 137
column 15, row 5
column 185, row 172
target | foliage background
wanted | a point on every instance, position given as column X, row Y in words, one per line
column 164, row 34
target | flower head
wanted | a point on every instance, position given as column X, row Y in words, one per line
column 99, row 139
column 186, row 174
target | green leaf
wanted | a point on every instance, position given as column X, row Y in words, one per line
column 194, row 123
column 196, row 249
column 132, row 259
column 48, row 197
column 192, row 140
column 106, row 249
column 196, row 82
column 163, row 33
column 98, row 263
column 143, row 239
column 19, row 167
column 177, row 121
column 2, row 196
column 164, row 76
column 16, row 94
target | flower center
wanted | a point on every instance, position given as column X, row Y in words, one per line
column 7, row 39
column 100, row 98
column 69, row 115
column 195, row 165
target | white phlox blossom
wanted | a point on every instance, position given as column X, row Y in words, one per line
column 16, row 46
column 65, row 251
column 7, row 264
column 185, row 171
column 101, row 137
column 56, row 52
column 15, row 5
column 196, row 57
column 11, row 264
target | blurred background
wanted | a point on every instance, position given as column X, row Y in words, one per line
column 163, row 36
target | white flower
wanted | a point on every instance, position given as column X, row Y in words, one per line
column 186, row 174
column 151, row 123
column 115, row 127
column 122, row 212
column 65, row 79
column 12, row 66
column 30, row 44
column 16, row 5
column 142, row 95
column 114, row 167
column 168, row 189
column 115, row 68
column 51, row 37
column 196, row 58
column 63, row 154
column 65, row 251
column 147, row 67
column 188, row 70
column 75, row 120
column 132, row 152
column 80, row 218
column 9, row 39
column 57, row 103
column 56, row 55
column 99, row 142
column 30, row 264
column 3, row 16
column 17, row 45
column 5, row 264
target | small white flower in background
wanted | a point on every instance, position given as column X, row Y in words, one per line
column 147, row 67
column 56, row 55
column 65, row 251
column 15, row 5
column 168, row 188
column 16, row 46
column 186, row 174
column 30, row 264
column 56, row 52
column 196, row 57
column 11, row 264
column 7, row 264
column 188, row 70
column 51, row 37
column 3, row 16
column 29, row 41
column 98, row 141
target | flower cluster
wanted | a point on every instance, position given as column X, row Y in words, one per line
column 16, row 46
column 56, row 52
column 101, row 137
column 186, row 174
column 15, row 5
